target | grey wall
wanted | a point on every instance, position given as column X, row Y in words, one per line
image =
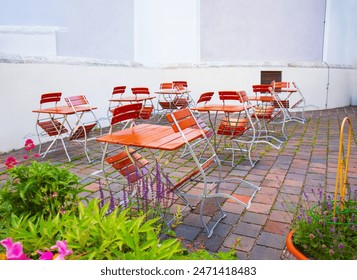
column 262, row 30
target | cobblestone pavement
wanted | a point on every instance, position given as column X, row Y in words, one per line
column 307, row 160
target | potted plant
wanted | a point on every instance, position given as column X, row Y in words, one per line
column 326, row 230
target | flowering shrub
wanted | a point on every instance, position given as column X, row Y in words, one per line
column 34, row 187
column 14, row 251
column 319, row 234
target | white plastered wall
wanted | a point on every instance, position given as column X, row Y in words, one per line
column 21, row 85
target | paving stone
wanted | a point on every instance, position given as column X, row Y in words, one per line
column 230, row 219
column 213, row 243
column 271, row 240
column 245, row 243
column 277, row 227
column 265, row 253
column 254, row 218
column 247, row 229
column 187, row 232
column 260, row 208
column 221, row 229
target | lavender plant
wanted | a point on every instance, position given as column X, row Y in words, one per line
column 319, row 234
column 150, row 197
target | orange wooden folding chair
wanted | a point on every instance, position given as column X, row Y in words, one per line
column 269, row 108
column 286, row 92
column 52, row 126
column 86, row 121
column 187, row 189
column 243, row 128
column 130, row 165
column 117, row 94
column 148, row 106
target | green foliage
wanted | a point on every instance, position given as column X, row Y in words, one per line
column 38, row 188
column 93, row 234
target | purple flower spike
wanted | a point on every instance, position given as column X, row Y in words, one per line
column 308, row 219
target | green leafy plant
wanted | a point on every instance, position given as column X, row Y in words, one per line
column 319, row 234
column 92, row 233
column 37, row 188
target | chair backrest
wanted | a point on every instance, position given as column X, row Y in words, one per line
column 51, row 97
column 78, row 100
column 205, row 97
column 183, row 119
column 179, row 83
column 279, row 85
column 265, row 88
column 140, row 90
column 118, row 90
column 243, row 97
column 126, row 112
column 166, row 86
column 229, row 95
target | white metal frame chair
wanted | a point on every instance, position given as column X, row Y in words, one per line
column 51, row 126
column 147, row 105
column 123, row 161
column 184, row 119
column 113, row 103
column 293, row 94
column 83, row 127
column 270, row 108
column 244, row 128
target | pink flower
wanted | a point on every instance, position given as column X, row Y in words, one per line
column 29, row 145
column 36, row 155
column 45, row 256
column 10, row 162
column 62, row 250
column 14, row 251
column 25, row 157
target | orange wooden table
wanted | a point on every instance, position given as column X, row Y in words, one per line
column 131, row 99
column 152, row 137
column 59, row 128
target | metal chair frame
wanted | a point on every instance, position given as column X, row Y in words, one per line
column 82, row 128
column 181, row 120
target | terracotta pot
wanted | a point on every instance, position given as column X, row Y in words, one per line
column 292, row 249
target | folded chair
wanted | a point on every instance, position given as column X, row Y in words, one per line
column 186, row 188
column 170, row 98
column 117, row 94
column 85, row 124
column 184, row 99
column 244, row 128
column 292, row 93
column 123, row 161
column 148, row 105
column 51, row 126
column 269, row 108
column 165, row 101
